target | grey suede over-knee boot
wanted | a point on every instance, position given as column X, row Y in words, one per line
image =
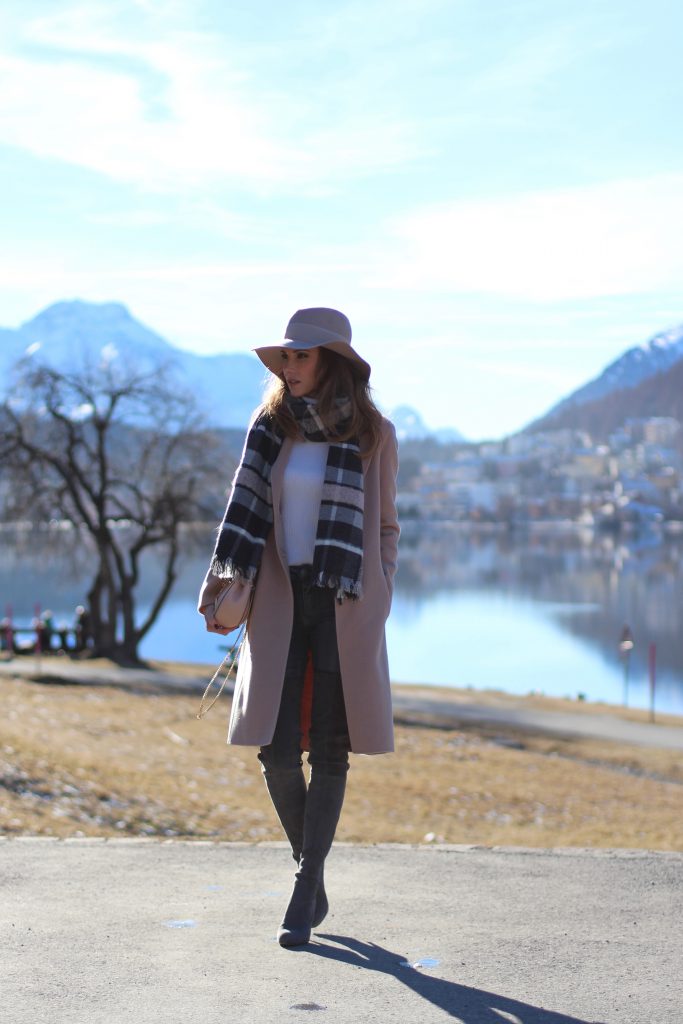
column 324, row 802
column 287, row 790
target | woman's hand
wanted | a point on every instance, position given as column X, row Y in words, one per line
column 211, row 625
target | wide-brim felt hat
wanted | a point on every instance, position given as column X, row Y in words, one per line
column 318, row 327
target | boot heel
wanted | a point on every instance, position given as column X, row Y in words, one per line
column 321, row 905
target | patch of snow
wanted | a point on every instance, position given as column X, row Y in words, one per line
column 109, row 353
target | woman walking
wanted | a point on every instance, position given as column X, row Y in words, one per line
column 311, row 524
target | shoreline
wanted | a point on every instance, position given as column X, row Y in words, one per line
column 197, row 674
column 457, row 694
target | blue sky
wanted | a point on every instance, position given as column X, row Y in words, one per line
column 492, row 191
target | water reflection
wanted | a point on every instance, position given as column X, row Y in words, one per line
column 543, row 613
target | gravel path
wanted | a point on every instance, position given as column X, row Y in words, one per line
column 442, row 710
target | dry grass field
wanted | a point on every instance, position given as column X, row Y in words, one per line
column 100, row 761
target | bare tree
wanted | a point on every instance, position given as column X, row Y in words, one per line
column 121, row 455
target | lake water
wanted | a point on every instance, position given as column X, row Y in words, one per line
column 470, row 610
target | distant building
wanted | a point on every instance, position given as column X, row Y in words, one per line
column 653, row 429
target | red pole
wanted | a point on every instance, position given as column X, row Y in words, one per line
column 653, row 676
column 9, row 632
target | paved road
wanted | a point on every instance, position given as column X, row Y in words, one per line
column 444, row 710
column 145, row 931
column 603, row 725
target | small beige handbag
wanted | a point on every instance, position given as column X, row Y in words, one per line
column 233, row 604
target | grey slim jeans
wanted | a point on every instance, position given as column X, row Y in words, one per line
column 314, row 629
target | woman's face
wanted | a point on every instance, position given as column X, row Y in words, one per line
column 300, row 370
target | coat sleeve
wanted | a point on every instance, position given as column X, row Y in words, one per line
column 388, row 529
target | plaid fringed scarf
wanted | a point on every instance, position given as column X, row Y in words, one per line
column 338, row 555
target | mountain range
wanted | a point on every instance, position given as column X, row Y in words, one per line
column 229, row 386
column 646, row 380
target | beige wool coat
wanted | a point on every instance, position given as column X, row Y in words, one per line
column 360, row 623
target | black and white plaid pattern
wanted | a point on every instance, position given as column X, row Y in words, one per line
column 338, row 555
column 249, row 513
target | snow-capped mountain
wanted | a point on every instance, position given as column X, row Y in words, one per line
column 635, row 365
column 66, row 334
column 644, row 382
column 410, row 425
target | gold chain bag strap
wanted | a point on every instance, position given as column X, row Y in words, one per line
column 231, row 610
column 233, row 656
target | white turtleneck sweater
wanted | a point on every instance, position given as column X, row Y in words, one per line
column 301, row 493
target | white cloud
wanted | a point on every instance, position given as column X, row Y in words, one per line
column 175, row 109
column 98, row 118
column 614, row 238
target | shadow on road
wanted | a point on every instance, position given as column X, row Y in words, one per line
column 468, row 1005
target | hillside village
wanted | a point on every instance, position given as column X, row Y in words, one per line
column 549, row 478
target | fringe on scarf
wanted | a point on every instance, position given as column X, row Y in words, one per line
column 225, row 569
column 344, row 586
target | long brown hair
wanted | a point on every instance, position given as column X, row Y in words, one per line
column 337, row 376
